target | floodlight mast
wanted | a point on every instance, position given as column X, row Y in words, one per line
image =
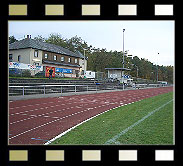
column 123, row 48
column 157, row 67
column 123, row 60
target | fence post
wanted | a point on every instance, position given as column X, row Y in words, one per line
column 23, row 90
column 75, row 89
column 44, row 89
column 87, row 88
column 96, row 88
column 61, row 90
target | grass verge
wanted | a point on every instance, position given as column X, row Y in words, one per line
column 156, row 129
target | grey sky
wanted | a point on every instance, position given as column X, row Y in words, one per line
column 142, row 38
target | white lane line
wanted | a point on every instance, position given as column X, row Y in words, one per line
column 30, row 105
column 113, row 140
column 60, row 110
column 34, row 128
column 52, row 122
column 60, row 135
column 36, row 109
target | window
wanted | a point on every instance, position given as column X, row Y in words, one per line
column 46, row 56
column 76, row 60
column 19, row 57
column 62, row 58
column 10, row 57
column 82, row 72
column 36, row 53
column 73, row 71
column 54, row 57
column 36, row 64
column 69, row 59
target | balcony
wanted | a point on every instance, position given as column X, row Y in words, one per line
column 60, row 63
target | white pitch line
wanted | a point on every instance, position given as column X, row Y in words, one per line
column 55, row 121
column 113, row 140
column 60, row 135
column 59, row 119
column 41, row 125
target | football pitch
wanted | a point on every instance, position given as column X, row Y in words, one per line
column 146, row 122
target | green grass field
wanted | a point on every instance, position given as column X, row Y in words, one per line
column 120, row 125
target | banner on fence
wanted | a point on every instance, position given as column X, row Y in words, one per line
column 62, row 70
column 47, row 73
column 126, row 76
column 24, row 66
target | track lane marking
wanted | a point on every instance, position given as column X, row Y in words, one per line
column 44, row 124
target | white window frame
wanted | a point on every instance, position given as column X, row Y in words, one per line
column 46, row 56
column 62, row 59
column 76, row 60
column 54, row 57
column 69, row 60
column 36, row 55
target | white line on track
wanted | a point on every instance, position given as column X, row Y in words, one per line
column 50, row 122
column 21, row 113
column 60, row 135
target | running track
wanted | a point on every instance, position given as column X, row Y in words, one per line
column 36, row 121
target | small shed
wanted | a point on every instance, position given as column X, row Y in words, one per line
column 117, row 73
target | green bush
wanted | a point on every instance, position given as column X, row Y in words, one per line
column 26, row 73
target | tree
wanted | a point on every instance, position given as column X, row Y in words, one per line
column 40, row 38
column 12, row 39
column 57, row 39
column 100, row 58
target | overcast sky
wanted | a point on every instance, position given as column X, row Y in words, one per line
column 144, row 39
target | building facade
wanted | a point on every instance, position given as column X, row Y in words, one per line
column 33, row 52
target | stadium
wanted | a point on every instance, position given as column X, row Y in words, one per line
column 90, row 97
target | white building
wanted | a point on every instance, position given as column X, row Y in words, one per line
column 34, row 52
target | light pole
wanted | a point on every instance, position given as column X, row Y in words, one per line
column 137, row 71
column 123, row 60
column 137, row 68
column 157, row 68
column 84, row 62
column 123, row 47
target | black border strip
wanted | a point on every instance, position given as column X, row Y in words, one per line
column 72, row 11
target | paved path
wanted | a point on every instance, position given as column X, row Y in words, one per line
column 35, row 121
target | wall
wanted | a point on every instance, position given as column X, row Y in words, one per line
column 36, row 59
column 50, row 58
column 65, row 67
column 117, row 72
column 24, row 53
column 81, row 63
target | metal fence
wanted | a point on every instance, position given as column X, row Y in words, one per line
column 32, row 89
column 46, row 89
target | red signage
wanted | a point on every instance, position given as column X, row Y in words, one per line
column 47, row 73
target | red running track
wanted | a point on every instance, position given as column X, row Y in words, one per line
column 37, row 121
